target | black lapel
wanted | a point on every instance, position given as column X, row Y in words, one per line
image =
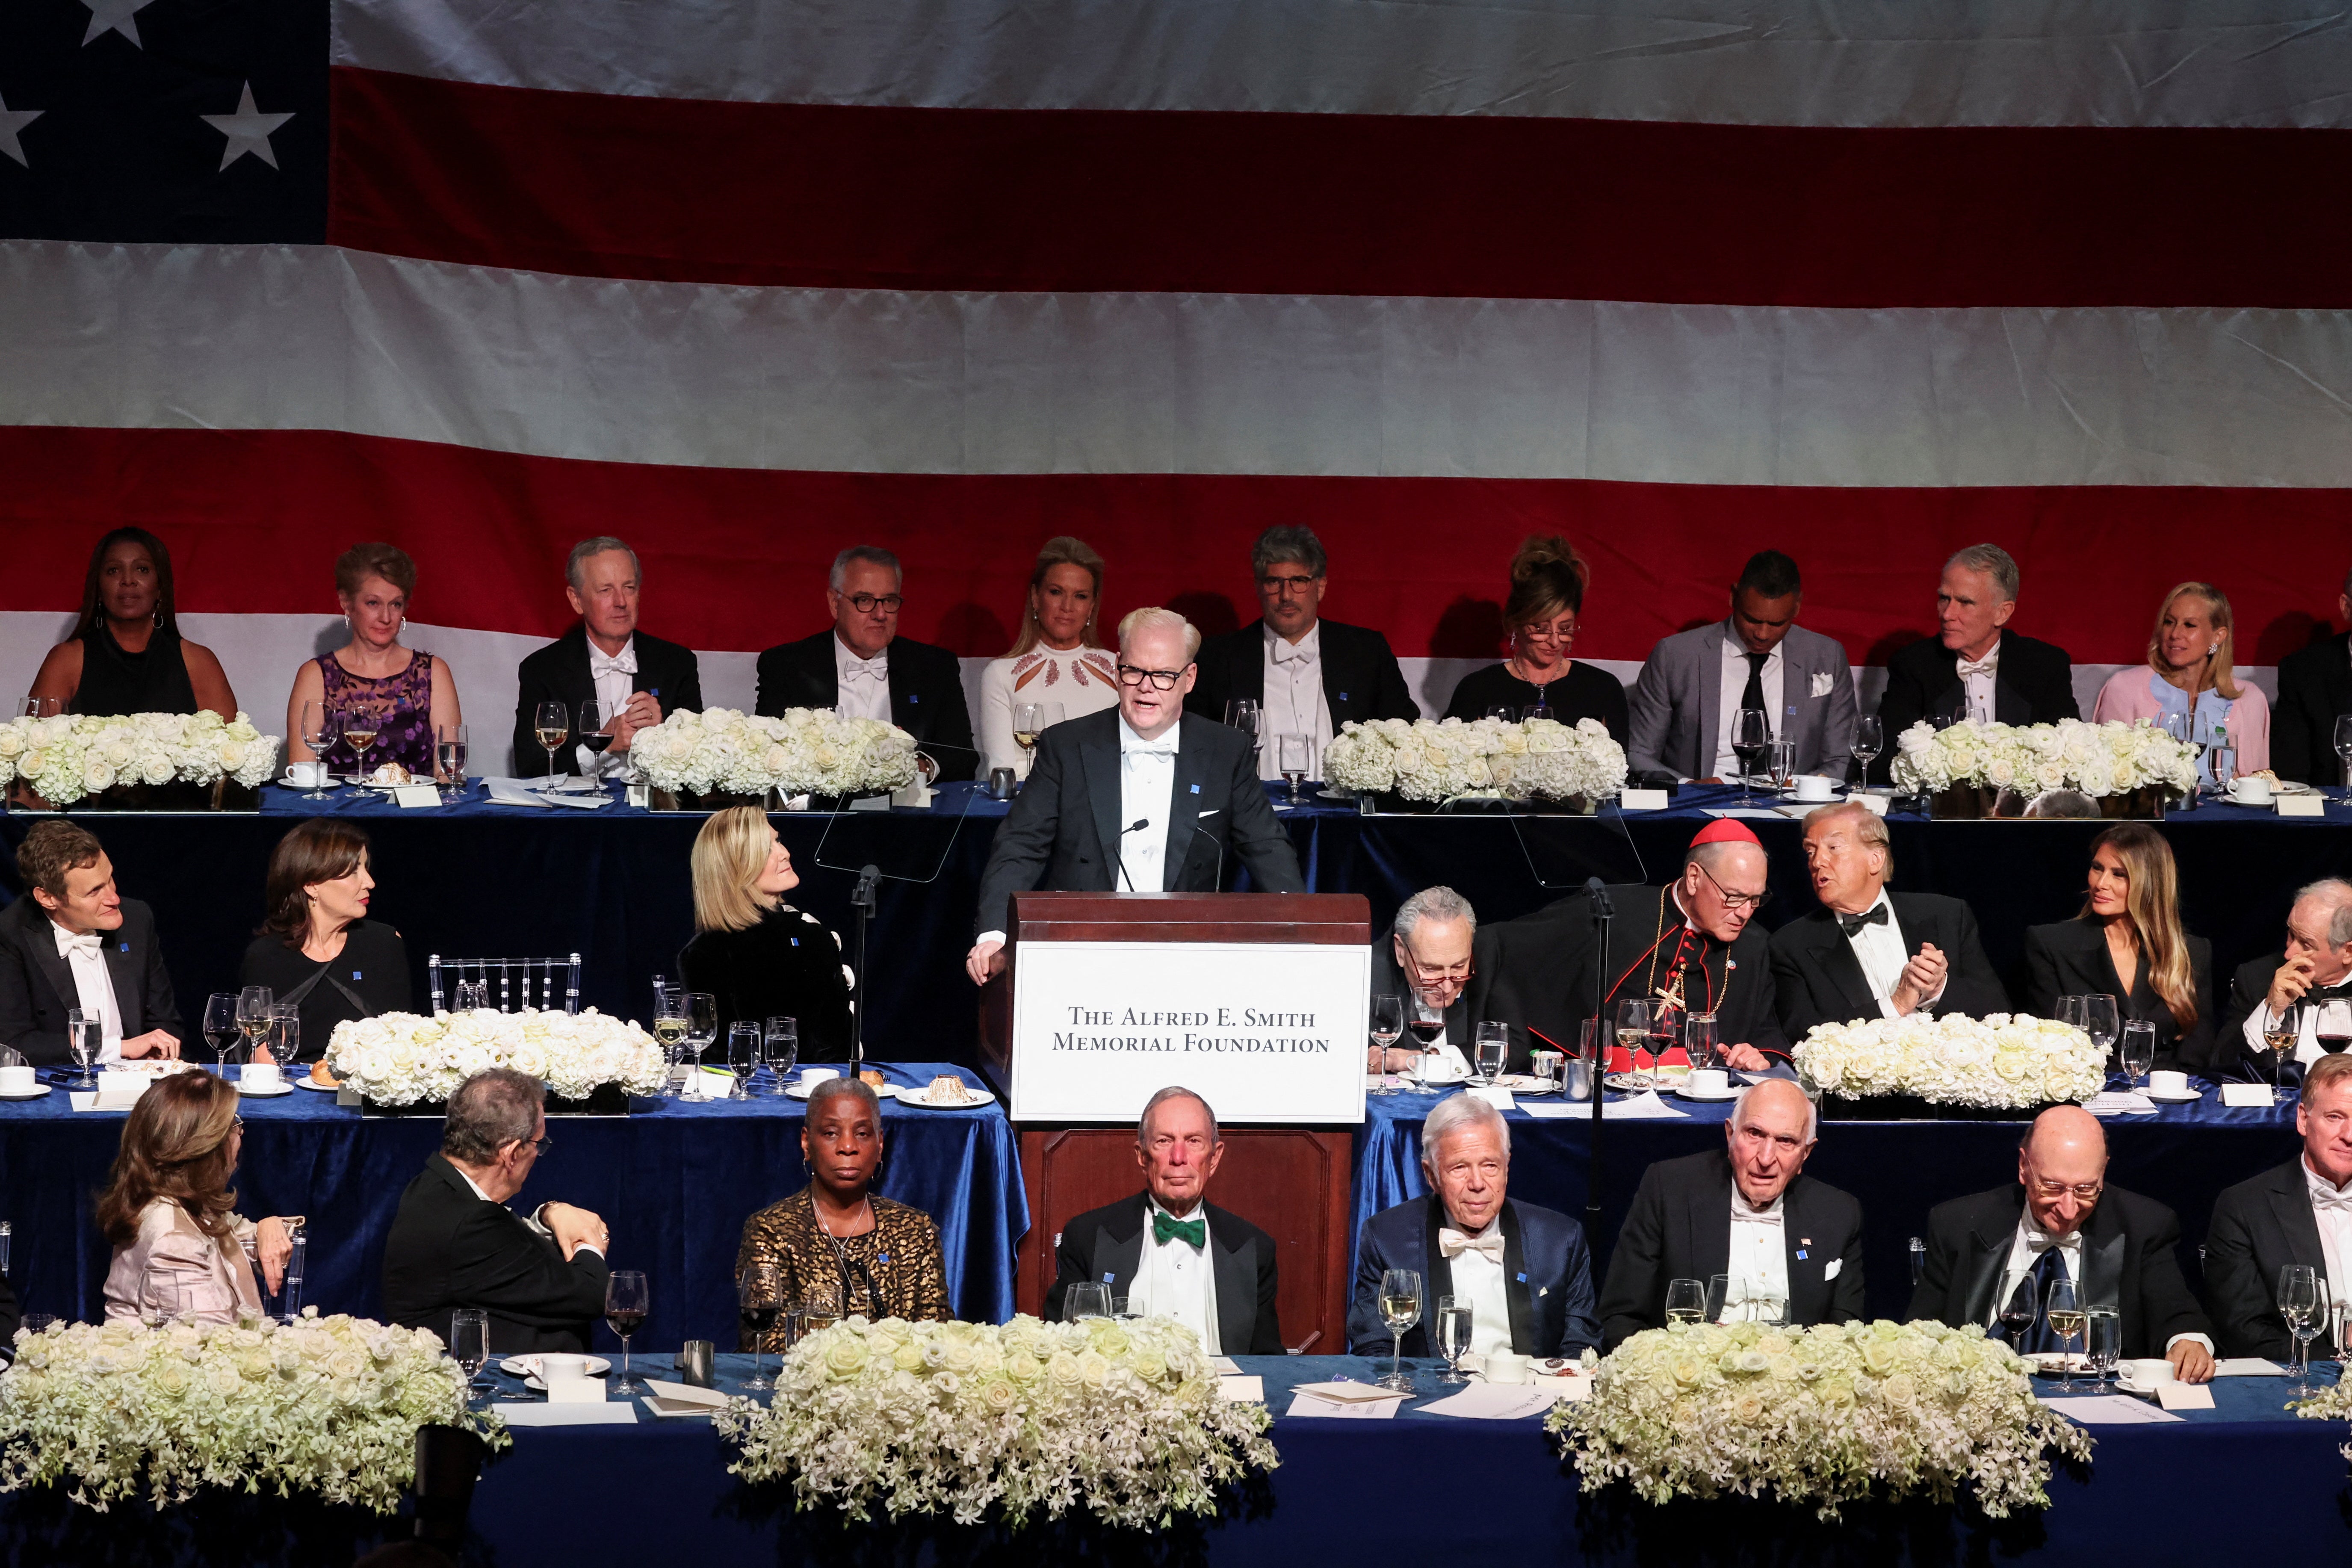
column 1233, row 1268
column 1184, row 800
column 2010, row 706
column 1708, row 1242
column 904, row 710
column 1343, row 683
column 1118, row 1245
column 1524, row 1321
column 1247, row 671
column 817, row 669
column 40, row 940
column 1804, row 1274
column 2102, row 1259
column 1437, row 1273
column 1989, row 1262
column 2291, row 1207
column 1099, row 759
column 1838, row 965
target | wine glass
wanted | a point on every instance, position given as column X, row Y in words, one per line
column 1782, row 763
column 2284, row 1036
column 1028, row 723
column 669, row 1029
column 2334, row 1024
column 1400, row 1301
column 85, row 1032
column 44, row 707
column 1538, row 709
column 2017, row 1312
column 2343, row 750
column 2063, row 1307
column 626, row 1301
column 1085, row 1300
column 1387, row 1027
column 821, row 1303
column 220, row 1026
column 1698, row 1039
column 358, row 733
column 1751, row 732
column 2069, row 1012
column 2140, row 1050
column 449, row 749
column 1490, row 1047
column 2221, row 758
column 760, row 1296
column 701, row 1028
column 781, row 1049
column 742, row 1056
column 1294, row 756
column 2301, row 1298
column 1504, row 713
column 1686, row 1301
column 595, row 726
column 470, row 1345
column 2099, row 1021
column 2103, row 1342
column 283, row 1040
column 1249, row 718
column 1452, row 1335
column 551, row 723
column 1634, row 1018
column 1869, row 740
column 254, row 1006
column 322, row 728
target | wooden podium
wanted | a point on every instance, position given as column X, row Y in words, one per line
column 1291, row 1180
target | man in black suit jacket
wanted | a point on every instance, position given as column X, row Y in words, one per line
column 1358, row 673
column 1152, row 1247
column 2314, row 965
column 2315, row 688
column 1869, row 953
column 454, row 1243
column 76, row 941
column 1429, row 960
column 1106, row 807
column 913, row 685
column 602, row 657
column 2269, row 1221
column 1973, row 664
column 1746, row 1212
column 2120, row 1249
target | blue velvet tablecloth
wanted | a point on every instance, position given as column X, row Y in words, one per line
column 676, row 1180
column 2183, row 1155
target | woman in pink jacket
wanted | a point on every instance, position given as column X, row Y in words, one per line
column 180, row 1249
column 2187, row 674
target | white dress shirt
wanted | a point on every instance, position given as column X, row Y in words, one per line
column 1735, row 685
column 2025, row 1250
column 1175, row 1279
column 1976, row 680
column 1478, row 1265
column 1758, row 1264
column 2331, row 1210
column 1882, row 953
column 863, row 683
column 1147, row 793
column 1295, row 704
column 85, row 957
column 614, row 677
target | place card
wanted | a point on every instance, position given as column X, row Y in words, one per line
column 1642, row 800
column 616, row 1413
column 682, row 1399
column 2247, row 1095
column 2302, row 806
column 414, row 796
column 1497, row 1401
column 915, row 796
column 1872, row 803
column 1324, row 1407
column 1495, row 1095
column 1558, row 1111
column 1250, row 1389
column 2184, row 1395
column 2246, row 1366
column 575, row 1391
column 2119, row 1102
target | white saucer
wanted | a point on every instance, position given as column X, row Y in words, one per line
column 1689, row 1093
column 307, row 1082
column 2166, row 1096
column 801, row 1090
column 975, row 1098
column 36, row 1092
column 284, row 1087
column 526, row 1366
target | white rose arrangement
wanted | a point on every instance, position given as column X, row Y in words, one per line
column 2003, row 1061
column 2096, row 759
column 806, row 751
column 1818, row 1416
column 1122, row 1419
column 404, row 1058
column 329, row 1405
column 70, row 757
column 1539, row 759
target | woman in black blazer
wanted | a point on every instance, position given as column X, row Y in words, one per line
column 2130, row 926
column 758, row 955
column 317, row 948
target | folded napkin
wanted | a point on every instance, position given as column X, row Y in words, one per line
column 2116, row 1102
column 682, row 1399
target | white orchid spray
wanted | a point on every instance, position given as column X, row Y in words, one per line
column 405, row 1058
column 70, row 757
column 806, row 751
column 2097, row 759
column 1426, row 759
column 2003, row 1061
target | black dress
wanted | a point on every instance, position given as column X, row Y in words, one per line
column 1586, row 691
column 789, row 965
column 2070, row 958
column 368, row 977
column 114, row 682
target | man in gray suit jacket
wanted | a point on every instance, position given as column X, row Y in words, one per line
column 1680, row 707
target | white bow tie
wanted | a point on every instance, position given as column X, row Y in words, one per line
column 1742, row 1209
column 87, row 946
column 1988, row 665
column 2324, row 1196
column 876, row 670
column 2041, row 1243
column 601, row 664
column 1451, row 1243
column 1163, row 747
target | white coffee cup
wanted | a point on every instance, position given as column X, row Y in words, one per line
column 1814, row 787
column 1505, row 1366
column 562, row 1367
column 818, row 1075
column 2164, row 1080
column 16, row 1080
column 263, row 1077
column 2149, row 1371
column 1707, row 1080
column 2250, row 791
column 306, row 775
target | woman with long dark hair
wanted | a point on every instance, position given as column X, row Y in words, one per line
column 180, row 1249
column 2129, row 943
column 126, row 653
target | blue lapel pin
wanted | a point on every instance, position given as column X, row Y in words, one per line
column 1343, row 697
column 1109, row 1278
column 1523, row 1279
column 356, row 974
column 914, row 697
column 1801, row 1255
column 123, row 946
column 1196, row 789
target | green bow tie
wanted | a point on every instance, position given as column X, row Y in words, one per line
column 1193, row 1231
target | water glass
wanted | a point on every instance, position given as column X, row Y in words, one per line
column 1084, row 1300
column 1489, row 1050
column 2302, row 1298
column 284, row 1039
column 2069, row 1011
column 470, row 1345
column 781, row 1051
column 85, row 1032
column 2103, row 1340
column 2099, row 1021
column 701, row 1028
column 1869, row 740
column 1294, row 758
column 1698, row 1039
column 2138, row 1050
column 742, row 1057
column 1454, row 1327
column 1782, row 761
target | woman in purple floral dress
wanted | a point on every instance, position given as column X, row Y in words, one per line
column 373, row 683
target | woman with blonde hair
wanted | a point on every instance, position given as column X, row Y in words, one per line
column 1547, row 598
column 1057, row 659
column 2188, row 675
column 180, row 1249
column 760, row 957
column 2129, row 943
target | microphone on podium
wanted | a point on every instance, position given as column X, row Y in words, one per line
column 1138, row 825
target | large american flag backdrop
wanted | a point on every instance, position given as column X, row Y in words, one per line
column 747, row 281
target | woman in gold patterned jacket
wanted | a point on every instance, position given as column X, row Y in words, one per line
column 836, row 1248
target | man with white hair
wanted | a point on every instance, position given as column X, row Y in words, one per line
column 637, row 680
column 1524, row 1272
column 1142, row 798
column 1788, row 1248
column 1975, row 668
column 1429, row 960
column 2281, row 991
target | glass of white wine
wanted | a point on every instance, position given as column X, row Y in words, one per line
column 1452, row 1336
column 1685, row 1301
column 1028, row 723
column 1400, row 1301
column 358, row 733
column 2063, row 1307
column 1387, row 1028
column 1634, row 1039
column 255, row 1010
column 550, row 724
column 449, row 749
column 669, row 1029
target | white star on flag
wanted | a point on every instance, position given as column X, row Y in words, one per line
column 247, row 131
column 11, row 122
column 114, row 16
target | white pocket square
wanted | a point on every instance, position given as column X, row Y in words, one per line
column 1823, row 681
column 1831, row 1270
column 1210, row 813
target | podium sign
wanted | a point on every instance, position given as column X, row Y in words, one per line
column 1257, row 1001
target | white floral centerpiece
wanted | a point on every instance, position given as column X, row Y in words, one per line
column 1818, row 1416
column 806, row 751
column 1428, row 760
column 405, row 1058
column 2097, row 759
column 1122, row 1419
column 329, row 1405
column 2003, row 1061
column 70, row 757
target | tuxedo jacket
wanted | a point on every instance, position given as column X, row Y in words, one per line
column 449, row 1247
column 2130, row 1261
column 558, row 673
column 2070, row 958
column 926, row 693
column 1675, row 705
column 1818, row 980
column 1063, row 832
column 1105, row 1247
column 2315, row 685
column 1389, row 980
column 2258, row 1228
column 1680, row 1228
column 2034, row 685
column 10, row 1316
column 36, row 985
column 1546, row 1278
column 1360, row 678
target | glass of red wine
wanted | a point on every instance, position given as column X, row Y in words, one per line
column 760, row 1299
column 1426, row 1033
column 626, row 1301
column 2334, row 1024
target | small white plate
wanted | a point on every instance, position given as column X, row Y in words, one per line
column 284, row 1087
column 36, row 1092
column 975, row 1098
column 306, row 1081
column 528, row 1366
column 1689, row 1093
column 801, row 1090
column 2167, row 1096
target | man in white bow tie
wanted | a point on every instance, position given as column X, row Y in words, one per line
column 635, row 680
column 1976, row 667
column 1524, row 1272
column 77, row 943
column 2300, row 1212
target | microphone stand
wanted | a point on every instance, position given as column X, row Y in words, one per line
column 861, row 908
column 1602, row 913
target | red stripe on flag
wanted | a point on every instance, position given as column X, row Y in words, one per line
column 823, row 195
column 736, row 558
